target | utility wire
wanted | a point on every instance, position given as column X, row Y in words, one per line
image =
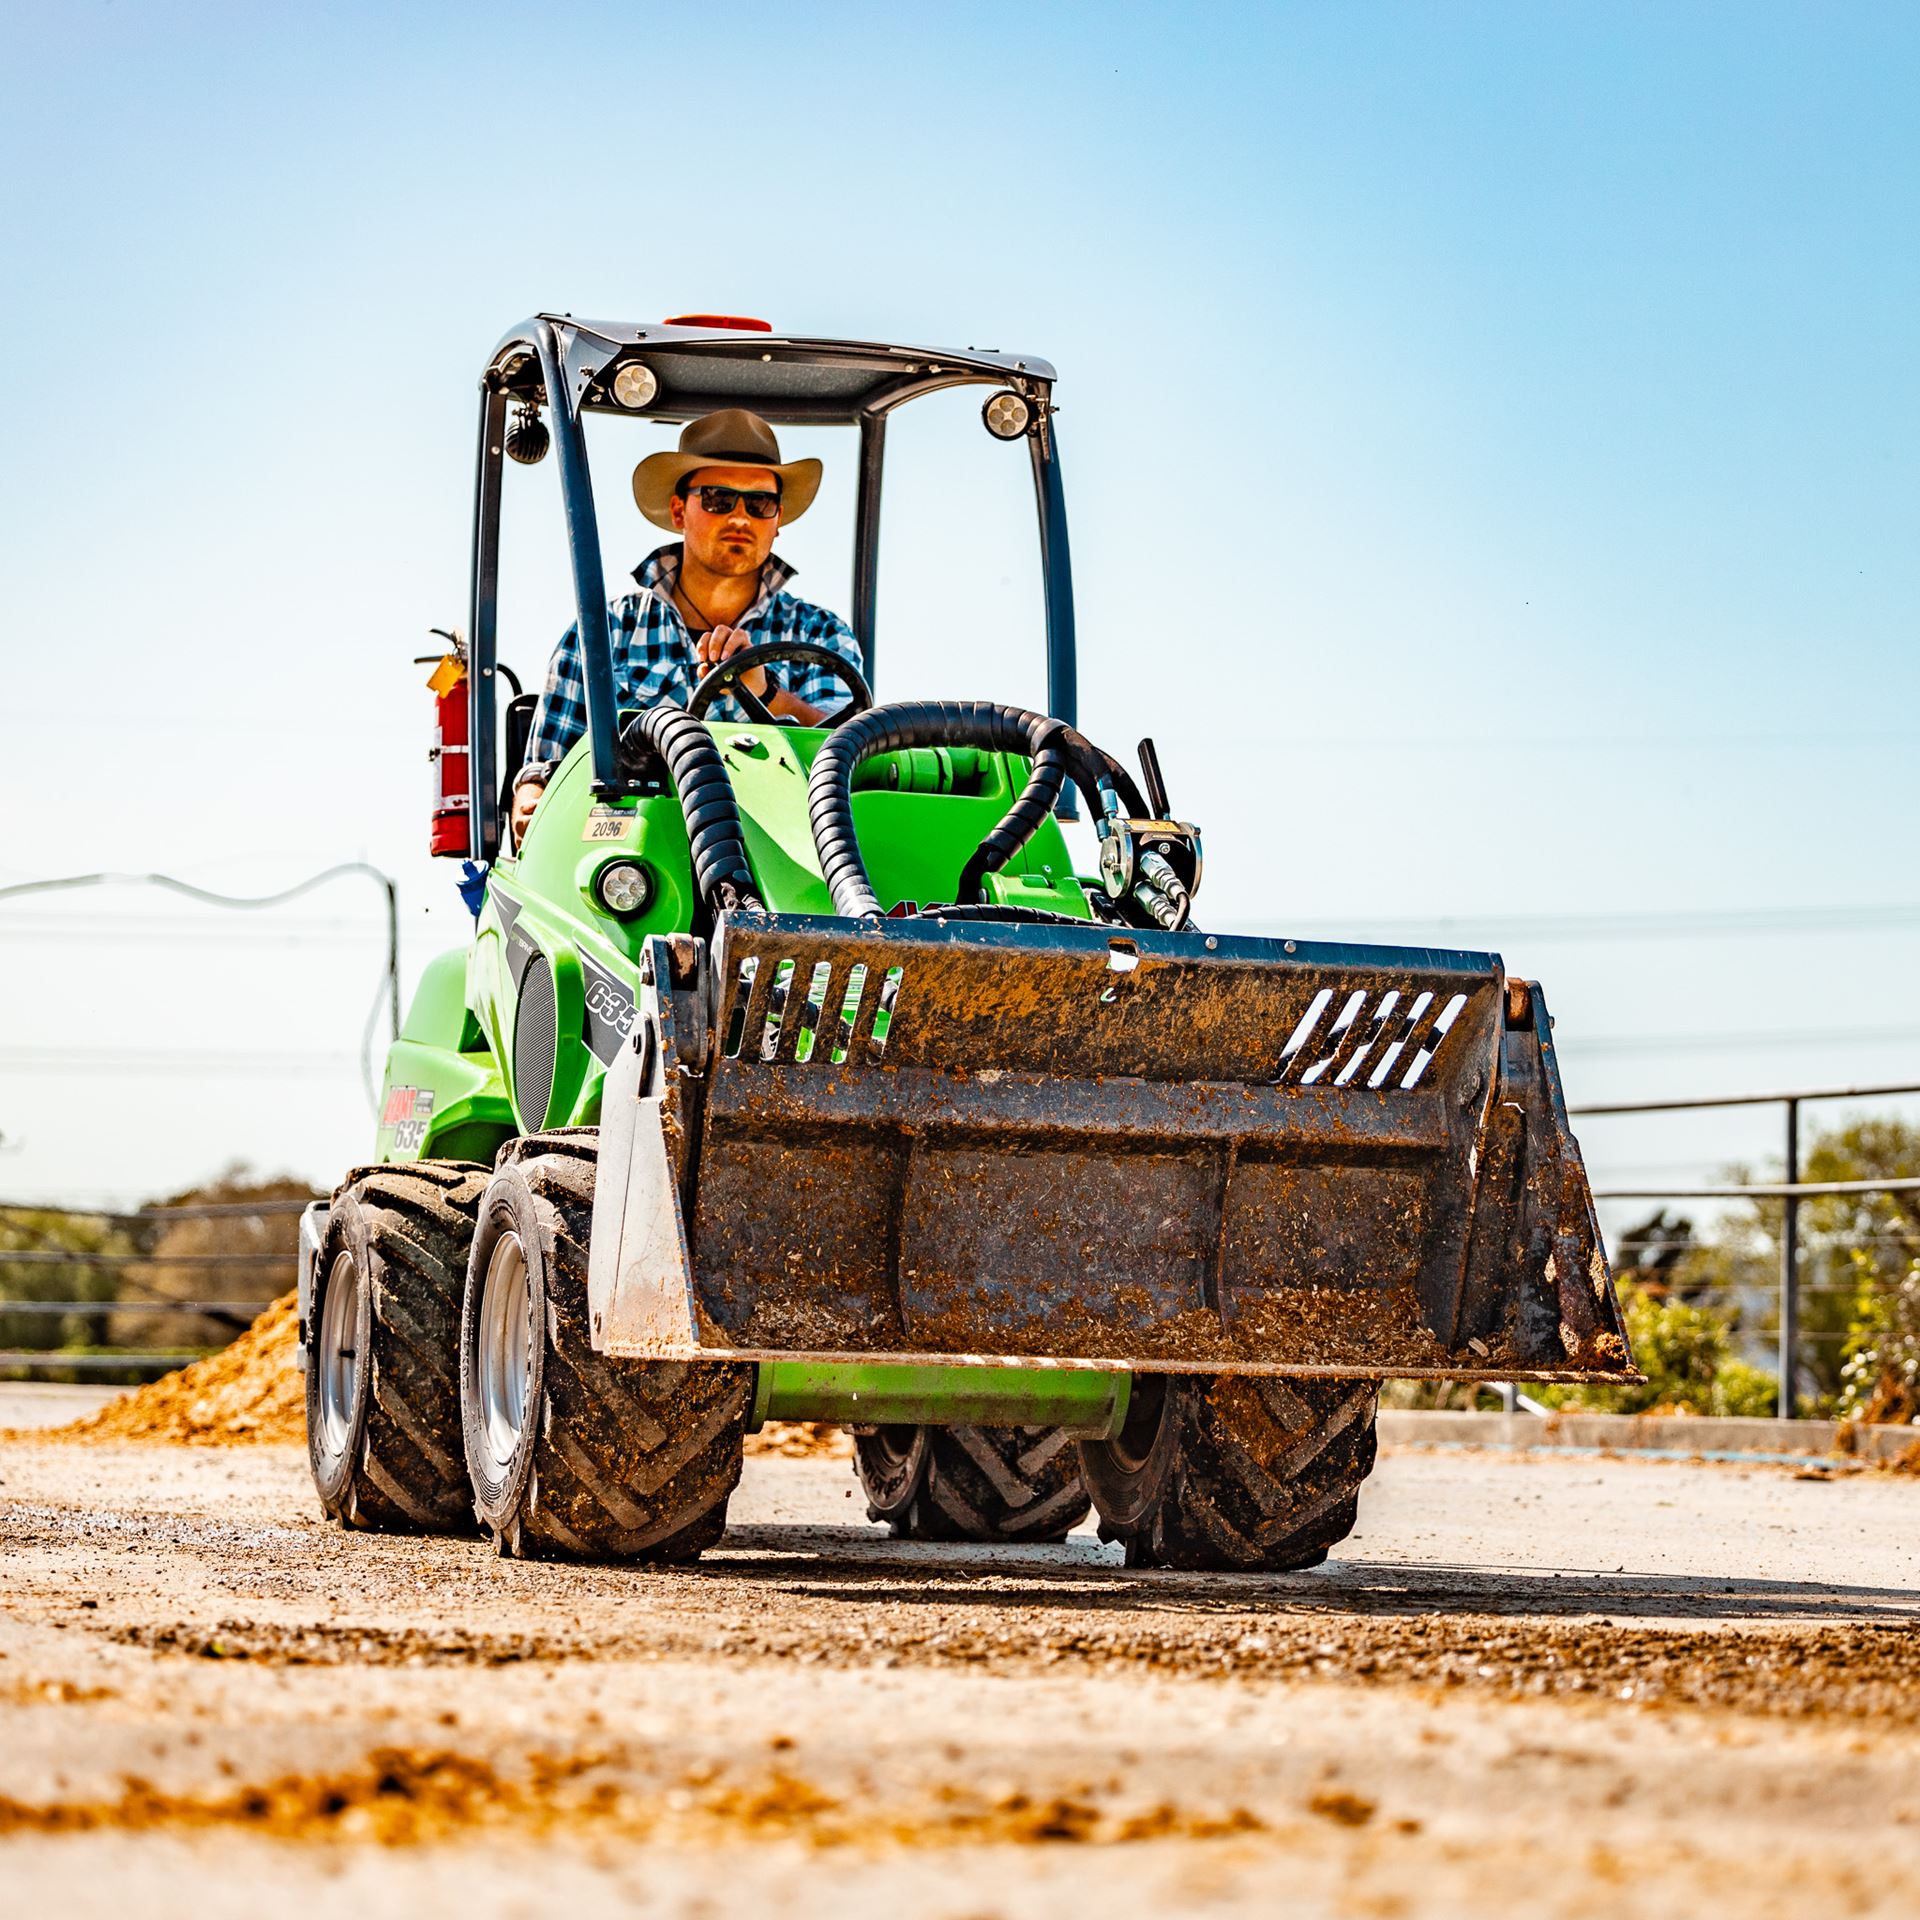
column 1734, row 922
column 256, row 902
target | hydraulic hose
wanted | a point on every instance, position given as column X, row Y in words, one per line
column 721, row 874
column 932, row 723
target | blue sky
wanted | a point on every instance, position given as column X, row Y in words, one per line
column 1490, row 432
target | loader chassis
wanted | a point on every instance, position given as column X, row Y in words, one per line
column 1049, row 1193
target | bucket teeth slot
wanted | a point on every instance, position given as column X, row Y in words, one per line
column 810, row 1012
column 1365, row 1031
column 887, row 1008
column 1393, row 1053
column 734, row 1027
column 1430, row 1030
column 1302, row 1042
column 860, row 1029
column 1336, row 1036
column 846, row 1010
column 775, row 1009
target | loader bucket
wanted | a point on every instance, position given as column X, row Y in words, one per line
column 1066, row 1145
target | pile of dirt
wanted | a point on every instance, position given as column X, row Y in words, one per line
column 246, row 1394
column 802, row 1440
column 251, row 1393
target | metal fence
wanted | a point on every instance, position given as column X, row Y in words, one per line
column 1791, row 1192
column 136, row 1292
column 233, row 1316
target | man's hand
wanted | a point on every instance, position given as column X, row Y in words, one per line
column 720, row 643
column 526, row 796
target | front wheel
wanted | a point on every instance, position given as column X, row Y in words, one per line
column 1245, row 1472
column 572, row 1455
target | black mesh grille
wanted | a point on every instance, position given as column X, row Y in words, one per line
column 536, row 1033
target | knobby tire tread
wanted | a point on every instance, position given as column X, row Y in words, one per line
column 408, row 1474
column 997, row 1485
column 1263, row 1474
column 634, row 1460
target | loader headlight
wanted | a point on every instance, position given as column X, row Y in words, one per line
column 635, row 384
column 624, row 887
column 1007, row 416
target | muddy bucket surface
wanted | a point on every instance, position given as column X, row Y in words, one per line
column 1071, row 1146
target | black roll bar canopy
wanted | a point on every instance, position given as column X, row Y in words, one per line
column 567, row 367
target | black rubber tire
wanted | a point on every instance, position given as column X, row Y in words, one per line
column 628, row 1460
column 395, row 1462
column 1234, row 1472
column 996, row 1484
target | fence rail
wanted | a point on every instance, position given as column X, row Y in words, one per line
column 223, row 1318
column 1791, row 1191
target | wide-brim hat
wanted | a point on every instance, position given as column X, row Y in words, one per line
column 732, row 437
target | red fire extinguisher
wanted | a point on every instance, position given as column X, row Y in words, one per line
column 452, row 803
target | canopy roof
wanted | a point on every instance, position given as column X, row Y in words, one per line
column 785, row 377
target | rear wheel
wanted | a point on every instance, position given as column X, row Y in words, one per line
column 1240, row 1471
column 383, row 1395
column 573, row 1455
column 971, row 1483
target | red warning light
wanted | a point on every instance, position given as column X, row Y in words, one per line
column 740, row 322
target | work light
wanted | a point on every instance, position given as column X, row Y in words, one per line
column 623, row 887
column 1006, row 415
column 634, row 385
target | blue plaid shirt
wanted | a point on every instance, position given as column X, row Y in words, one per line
column 653, row 656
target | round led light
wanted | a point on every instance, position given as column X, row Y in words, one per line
column 1007, row 416
column 623, row 886
column 635, row 385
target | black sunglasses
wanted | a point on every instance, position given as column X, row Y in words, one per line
column 759, row 503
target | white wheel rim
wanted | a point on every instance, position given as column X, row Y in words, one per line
column 505, row 1351
column 339, row 1357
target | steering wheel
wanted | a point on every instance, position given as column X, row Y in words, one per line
column 725, row 678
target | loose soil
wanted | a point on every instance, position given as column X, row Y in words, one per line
column 1564, row 1686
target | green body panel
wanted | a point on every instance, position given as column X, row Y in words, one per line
column 920, row 814
column 443, row 1098
column 1081, row 1399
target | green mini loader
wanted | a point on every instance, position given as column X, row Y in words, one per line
column 795, row 1073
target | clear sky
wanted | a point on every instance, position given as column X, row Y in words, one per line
column 1492, row 436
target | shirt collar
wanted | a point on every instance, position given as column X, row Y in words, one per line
column 659, row 573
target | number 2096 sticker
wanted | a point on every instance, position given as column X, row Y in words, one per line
column 607, row 823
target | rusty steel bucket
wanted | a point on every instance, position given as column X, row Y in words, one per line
column 1069, row 1145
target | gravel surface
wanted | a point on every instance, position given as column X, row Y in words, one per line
column 1539, row 1684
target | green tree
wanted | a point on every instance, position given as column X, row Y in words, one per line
column 47, row 1254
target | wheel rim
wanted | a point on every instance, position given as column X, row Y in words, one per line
column 894, row 1445
column 505, row 1351
column 1146, row 1410
column 339, row 1357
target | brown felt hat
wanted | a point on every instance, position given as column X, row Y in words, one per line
column 731, row 438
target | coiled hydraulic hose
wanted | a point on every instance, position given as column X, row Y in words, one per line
column 931, row 723
column 721, row 874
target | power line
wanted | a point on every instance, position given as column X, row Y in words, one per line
column 182, row 1063
column 1494, row 928
column 1737, row 1042
column 76, row 882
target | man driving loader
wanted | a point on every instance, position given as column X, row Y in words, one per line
column 720, row 588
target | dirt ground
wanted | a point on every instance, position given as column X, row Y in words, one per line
column 1539, row 1685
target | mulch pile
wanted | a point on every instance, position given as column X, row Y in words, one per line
column 247, row 1394
column 251, row 1393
